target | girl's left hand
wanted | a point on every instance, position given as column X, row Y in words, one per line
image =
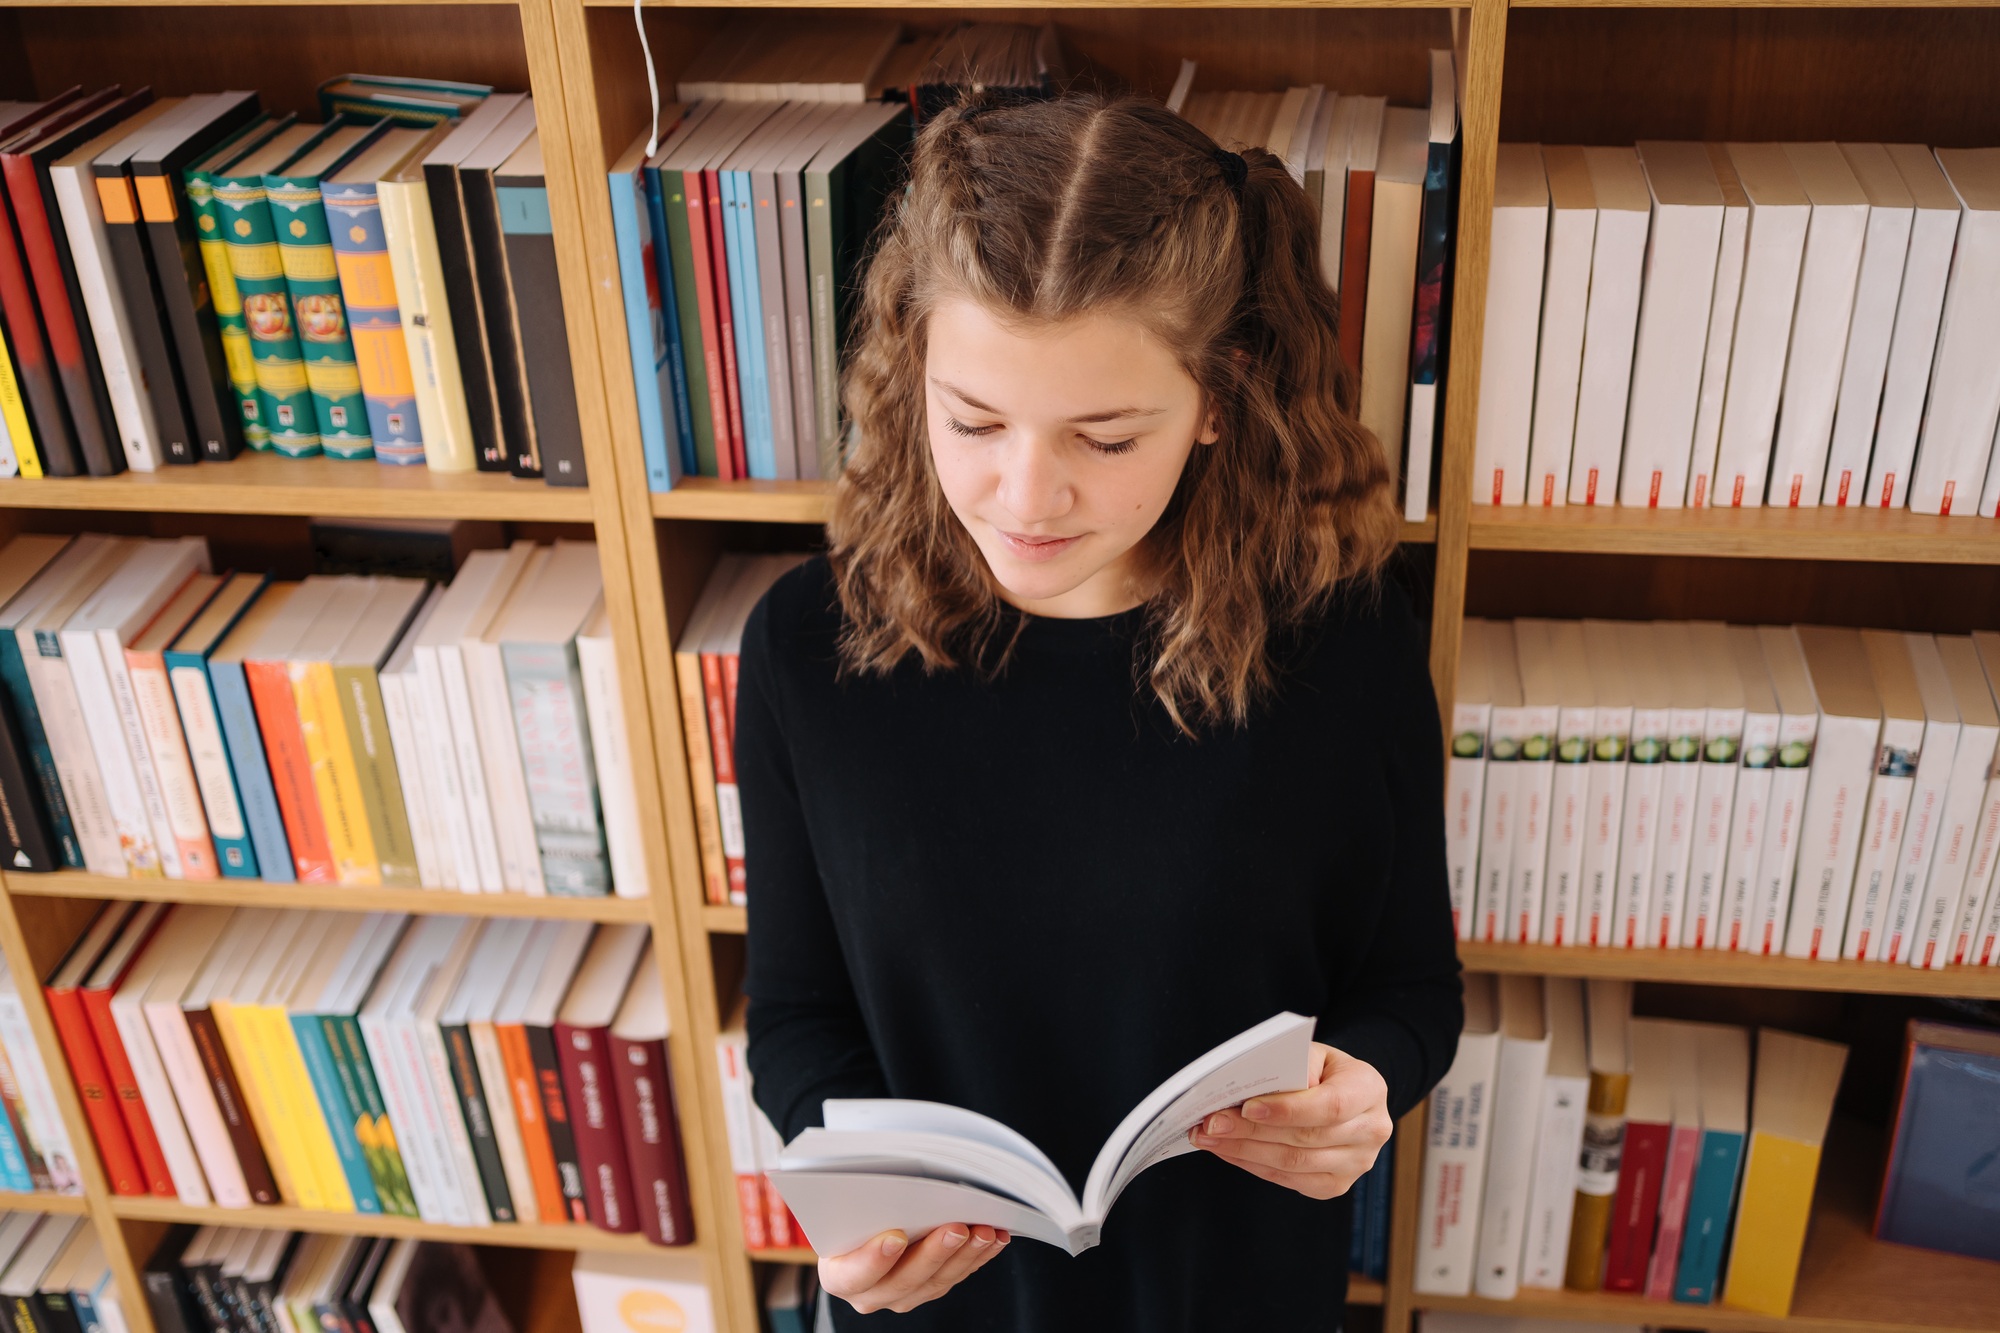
column 1319, row 1140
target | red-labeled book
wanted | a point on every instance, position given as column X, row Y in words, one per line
column 1363, row 149
column 725, row 327
column 103, row 983
column 1649, row 1115
column 93, row 1086
column 1683, row 1155
column 583, row 1047
column 270, row 683
column 695, row 187
column 638, row 1041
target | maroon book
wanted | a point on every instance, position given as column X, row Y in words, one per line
column 1635, row 1209
column 592, row 1095
column 652, row 1135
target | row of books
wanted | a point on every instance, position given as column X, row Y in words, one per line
column 35, row 1150
column 1384, row 180
column 164, row 721
column 55, row 1276
column 248, row 1280
column 184, row 276
column 754, row 1144
column 457, row 1070
column 1745, row 324
column 1574, row 1146
column 1811, row 791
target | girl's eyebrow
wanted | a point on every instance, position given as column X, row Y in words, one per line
column 1117, row 414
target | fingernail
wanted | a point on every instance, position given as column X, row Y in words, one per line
column 1204, row 1141
column 980, row 1242
column 1219, row 1124
column 1256, row 1111
column 893, row 1246
column 953, row 1238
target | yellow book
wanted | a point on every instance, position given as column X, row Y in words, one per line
column 14, row 425
column 251, row 1073
column 308, row 1117
column 1797, row 1078
column 262, row 1056
column 1610, row 1009
column 336, row 779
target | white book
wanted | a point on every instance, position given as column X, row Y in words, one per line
column 1565, row 305
column 493, row 719
column 732, row 1063
column 1967, row 940
column 1393, row 238
column 1729, row 916
column 1465, row 774
column 1956, row 439
column 1499, row 817
column 1933, row 931
column 1922, row 832
column 1569, row 799
column 1729, row 254
column 1617, row 269
column 402, row 703
column 1885, row 255
column 1715, row 796
column 1610, row 760
column 1333, row 190
column 882, row 1164
column 611, row 751
column 1534, row 781
column 1456, row 1140
column 1652, row 733
column 41, row 1115
column 1513, row 319
column 1888, row 810
column 1774, row 248
column 1791, row 776
column 1845, row 758
column 415, row 958
column 1820, row 322
column 1907, row 380
column 1565, row 1097
column 1520, row 1072
column 422, row 1020
column 1680, row 788
column 1681, row 247
column 192, row 933
column 180, row 931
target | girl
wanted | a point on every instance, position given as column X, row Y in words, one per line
column 1095, row 739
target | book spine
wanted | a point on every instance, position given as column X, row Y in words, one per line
column 14, row 1173
column 460, row 272
column 14, row 1111
column 498, row 1095
column 1715, row 807
column 1776, row 866
column 433, row 1204
column 214, row 780
column 132, row 266
column 123, row 1085
column 431, row 1063
column 29, row 844
column 1455, row 1159
column 277, row 713
column 231, row 326
column 338, row 787
column 40, row 1115
column 812, row 450
column 63, row 318
column 820, row 260
column 110, row 322
column 1772, row 1213
column 766, row 280
column 1706, row 1230
column 687, row 248
column 17, row 451
column 75, row 759
column 114, row 1143
column 1552, row 1195
column 255, row 1080
column 298, row 1101
column 449, row 807
column 1979, row 874
column 688, row 391
column 739, row 1123
column 1912, row 867
column 410, row 756
column 1882, row 832
column 373, row 1132
column 549, row 1079
column 160, row 725
column 139, row 758
column 1502, row 1222
column 425, row 315
column 588, row 1089
column 1639, row 838
column 520, row 453
column 243, row 736
column 500, row 757
column 471, row 1096
column 610, row 748
column 28, row 718
column 713, row 216
column 114, row 764
column 374, row 762
column 1597, row 1176
column 52, row 438
column 1534, row 790
column 1675, row 1186
column 525, row 1093
column 528, row 234
column 1680, row 791
column 457, row 691
column 1845, row 754
column 298, row 215
column 375, row 322
column 545, row 685
column 1569, row 820
column 746, row 313
column 193, row 1093
column 291, row 426
column 156, row 1093
column 190, row 310
column 652, row 1141
column 646, row 331
column 701, row 775
column 728, row 803
column 259, row 1178
column 1498, row 818
column 330, row 1090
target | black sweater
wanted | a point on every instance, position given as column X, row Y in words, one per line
column 1032, row 897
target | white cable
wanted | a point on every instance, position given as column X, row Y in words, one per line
column 652, row 79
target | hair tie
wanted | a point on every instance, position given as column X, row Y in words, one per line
column 1234, row 169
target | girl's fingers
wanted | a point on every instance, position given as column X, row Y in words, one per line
column 912, row 1279
column 1294, row 1160
column 1368, row 1129
column 861, row 1268
column 974, row 1253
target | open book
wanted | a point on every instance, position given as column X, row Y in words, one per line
column 884, row 1165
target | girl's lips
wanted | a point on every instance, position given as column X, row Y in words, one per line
column 1037, row 548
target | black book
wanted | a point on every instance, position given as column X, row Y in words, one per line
column 168, row 1298
column 159, row 374
column 461, row 275
column 481, row 199
column 175, row 241
column 362, row 1285
column 538, row 311
column 257, row 1286
column 21, row 1285
column 478, row 1120
column 31, row 844
column 555, row 1114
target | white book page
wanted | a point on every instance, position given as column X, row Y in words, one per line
column 897, row 1114
column 940, row 1156
column 841, row 1211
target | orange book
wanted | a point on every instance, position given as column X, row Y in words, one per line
column 266, row 670
column 1354, row 264
column 523, row 1087
column 86, row 1063
column 96, row 991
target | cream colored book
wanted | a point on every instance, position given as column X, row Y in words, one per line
column 415, row 264
column 1392, row 280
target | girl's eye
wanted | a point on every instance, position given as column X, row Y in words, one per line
column 960, row 428
column 1114, row 446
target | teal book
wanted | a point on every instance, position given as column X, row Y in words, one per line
column 236, row 347
column 21, row 695
column 201, row 718
column 385, row 1158
column 298, row 217
column 341, row 1115
column 1724, row 1064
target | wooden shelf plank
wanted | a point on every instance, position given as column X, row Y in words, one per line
column 39, row 1202
column 1895, row 535
column 1707, row 967
column 718, row 920
column 521, row 1235
column 335, row 897
column 257, row 483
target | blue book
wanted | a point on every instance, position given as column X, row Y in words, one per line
column 740, row 240
column 661, row 261
column 646, row 327
column 21, row 696
column 340, row 1115
column 187, row 668
column 13, row 1165
column 1942, row 1187
column 1724, row 1062
column 245, row 742
column 1375, row 1231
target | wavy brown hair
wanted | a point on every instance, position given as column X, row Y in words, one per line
column 1042, row 212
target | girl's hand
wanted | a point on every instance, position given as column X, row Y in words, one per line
column 1319, row 1140
column 889, row 1273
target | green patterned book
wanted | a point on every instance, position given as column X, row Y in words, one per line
column 284, row 401
column 298, row 216
column 236, row 350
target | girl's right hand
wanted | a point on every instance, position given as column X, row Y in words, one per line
column 889, row 1273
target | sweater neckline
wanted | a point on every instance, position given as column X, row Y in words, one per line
column 1080, row 635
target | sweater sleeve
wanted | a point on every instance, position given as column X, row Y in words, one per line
column 808, row 1040
column 1403, row 1005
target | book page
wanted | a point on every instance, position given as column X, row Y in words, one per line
column 1272, row 1057
column 899, row 1114
column 841, row 1211
column 939, row 1156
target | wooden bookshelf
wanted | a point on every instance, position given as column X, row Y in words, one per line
column 12, row 1201
column 1894, row 535
column 325, row 897
column 1707, row 967
column 517, row 1235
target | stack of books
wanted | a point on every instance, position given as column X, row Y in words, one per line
column 164, row 721
column 1809, row 791
column 456, row 1070
column 1574, row 1146
column 183, row 277
column 226, row 1279
column 54, row 1273
column 35, row 1150
column 1745, row 324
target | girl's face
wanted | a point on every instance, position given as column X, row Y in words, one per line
column 1058, row 447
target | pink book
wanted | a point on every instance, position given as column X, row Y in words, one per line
column 1683, row 1153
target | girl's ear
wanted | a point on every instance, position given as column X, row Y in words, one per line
column 1210, row 431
